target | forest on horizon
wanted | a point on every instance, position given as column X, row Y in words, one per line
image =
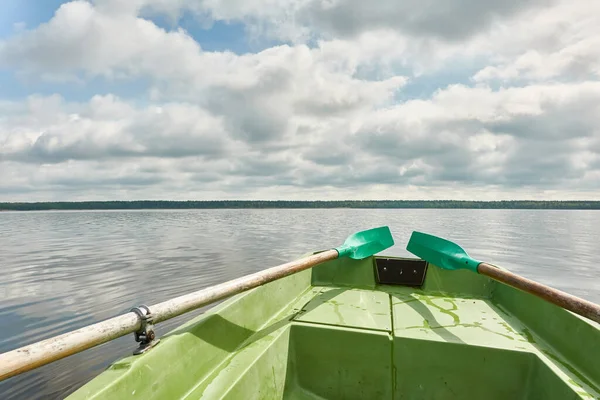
column 256, row 204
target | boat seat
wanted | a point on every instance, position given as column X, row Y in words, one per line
column 434, row 340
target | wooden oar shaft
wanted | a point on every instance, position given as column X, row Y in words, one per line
column 180, row 305
column 35, row 355
column 567, row 301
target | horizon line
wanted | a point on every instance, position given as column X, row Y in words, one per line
column 293, row 201
column 90, row 205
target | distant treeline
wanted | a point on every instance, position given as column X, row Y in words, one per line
column 159, row 204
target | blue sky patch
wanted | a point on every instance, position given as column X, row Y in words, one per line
column 30, row 12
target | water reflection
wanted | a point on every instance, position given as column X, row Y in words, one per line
column 64, row 270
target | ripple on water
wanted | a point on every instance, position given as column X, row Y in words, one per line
column 65, row 270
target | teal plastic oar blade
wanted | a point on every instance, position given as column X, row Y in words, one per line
column 366, row 243
column 441, row 252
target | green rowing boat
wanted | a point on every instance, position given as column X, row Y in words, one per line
column 371, row 328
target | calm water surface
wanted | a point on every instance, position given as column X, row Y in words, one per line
column 65, row 270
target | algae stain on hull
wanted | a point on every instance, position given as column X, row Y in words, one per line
column 336, row 309
column 573, row 371
column 527, row 334
column 429, row 301
column 477, row 325
column 508, row 328
column 480, row 326
column 456, row 319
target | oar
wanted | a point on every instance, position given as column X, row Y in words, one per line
column 449, row 255
column 357, row 246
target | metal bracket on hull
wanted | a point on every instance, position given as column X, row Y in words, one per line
column 403, row 272
column 145, row 336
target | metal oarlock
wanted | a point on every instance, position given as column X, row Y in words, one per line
column 145, row 336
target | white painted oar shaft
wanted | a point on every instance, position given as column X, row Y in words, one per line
column 35, row 355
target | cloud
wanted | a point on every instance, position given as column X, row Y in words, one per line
column 302, row 19
column 258, row 95
column 106, row 127
column 560, row 42
column 510, row 137
column 82, row 39
column 324, row 116
column 447, row 20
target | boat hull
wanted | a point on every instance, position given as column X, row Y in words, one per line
column 336, row 332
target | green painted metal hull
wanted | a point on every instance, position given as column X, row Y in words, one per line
column 333, row 333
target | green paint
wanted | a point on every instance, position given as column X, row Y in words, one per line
column 427, row 325
column 508, row 328
column 551, row 327
column 338, row 363
column 429, row 301
column 572, row 382
column 525, row 332
column 440, row 252
column 499, row 307
column 452, row 303
column 581, row 392
column 359, row 308
column 573, row 371
column 339, row 307
column 480, row 326
column 408, row 301
column 345, row 272
column 346, row 337
column 336, row 310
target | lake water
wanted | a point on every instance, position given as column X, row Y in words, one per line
column 65, row 270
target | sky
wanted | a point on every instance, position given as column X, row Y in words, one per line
column 299, row 99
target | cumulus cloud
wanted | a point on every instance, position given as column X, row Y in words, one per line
column 108, row 128
column 259, row 95
column 448, row 20
column 553, row 43
column 319, row 117
column 302, row 19
column 83, row 39
column 513, row 137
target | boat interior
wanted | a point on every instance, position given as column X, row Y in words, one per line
column 378, row 328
